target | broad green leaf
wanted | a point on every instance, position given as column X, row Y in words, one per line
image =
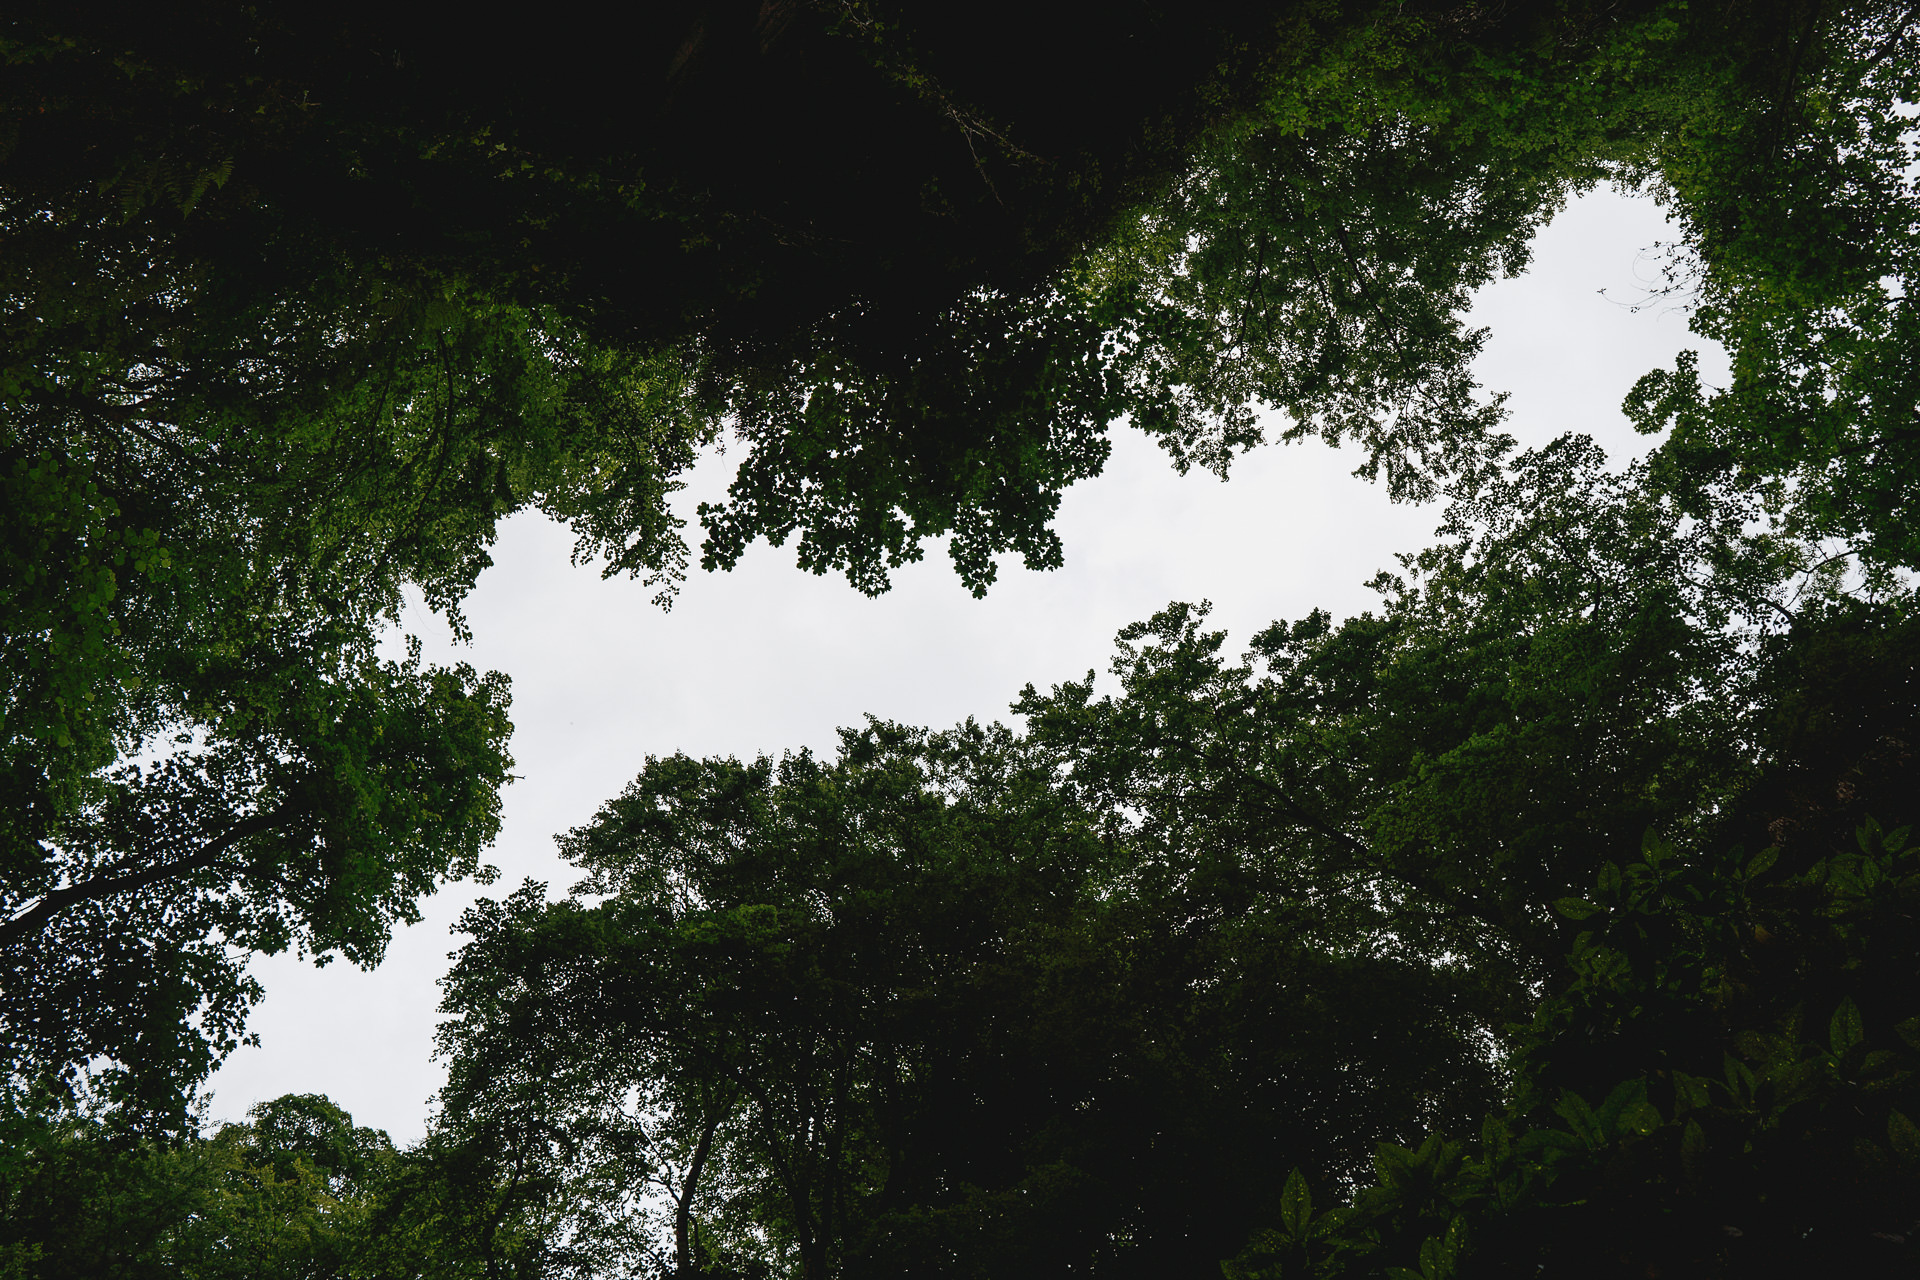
column 1296, row 1206
column 1572, row 1108
column 1495, row 1143
column 1639, row 1118
column 1796, row 1081
column 1845, row 1031
column 1655, row 848
column 1740, row 1078
column 1903, row 1134
column 1576, row 908
column 1693, row 1143
column 1623, row 1097
column 1549, row 1139
column 1391, row 1163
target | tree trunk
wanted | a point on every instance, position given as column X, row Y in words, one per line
column 683, row 1211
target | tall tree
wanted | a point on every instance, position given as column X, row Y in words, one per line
column 1081, row 995
column 288, row 1193
column 205, row 535
column 922, row 1009
column 298, row 307
column 1721, row 1080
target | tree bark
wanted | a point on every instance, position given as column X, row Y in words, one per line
column 683, row 1211
column 103, row 886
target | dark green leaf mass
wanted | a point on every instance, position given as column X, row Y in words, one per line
column 1555, row 918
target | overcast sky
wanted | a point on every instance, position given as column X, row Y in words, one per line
column 768, row 658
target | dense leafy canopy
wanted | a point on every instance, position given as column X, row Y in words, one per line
column 1554, row 917
column 288, row 1193
column 1081, row 996
column 918, row 1004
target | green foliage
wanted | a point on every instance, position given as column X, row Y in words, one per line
column 1720, row 1079
column 287, row 1194
column 931, row 1001
column 214, row 501
column 316, row 816
column 1080, row 995
column 296, row 313
column 926, row 284
column 1800, row 253
column 1317, row 253
column 917, row 1006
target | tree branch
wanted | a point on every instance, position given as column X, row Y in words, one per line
column 1306, row 817
column 103, row 886
column 683, row 1210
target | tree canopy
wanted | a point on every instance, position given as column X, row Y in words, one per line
column 1566, row 826
column 1555, row 915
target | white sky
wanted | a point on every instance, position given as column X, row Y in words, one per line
column 767, row 658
